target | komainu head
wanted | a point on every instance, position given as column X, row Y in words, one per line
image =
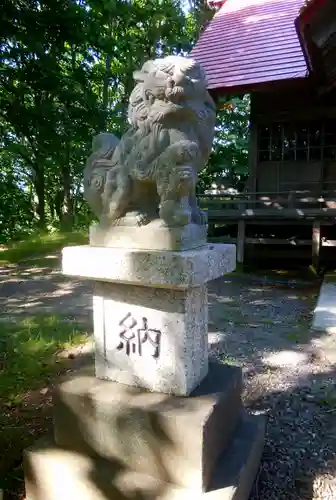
column 168, row 88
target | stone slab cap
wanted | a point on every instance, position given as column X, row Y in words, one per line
column 154, row 236
column 175, row 439
column 150, row 268
column 55, row 473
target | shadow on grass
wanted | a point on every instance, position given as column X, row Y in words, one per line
column 28, row 350
column 31, row 282
column 32, row 352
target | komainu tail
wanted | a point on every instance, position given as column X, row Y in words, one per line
column 96, row 168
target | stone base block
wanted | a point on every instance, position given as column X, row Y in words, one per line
column 153, row 236
column 174, row 439
column 54, row 473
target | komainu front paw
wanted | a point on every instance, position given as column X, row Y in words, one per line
column 173, row 214
column 199, row 217
column 184, row 180
column 110, row 212
column 142, row 219
column 182, row 217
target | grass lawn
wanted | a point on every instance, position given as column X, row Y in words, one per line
column 31, row 356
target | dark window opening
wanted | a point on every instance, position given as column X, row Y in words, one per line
column 300, row 142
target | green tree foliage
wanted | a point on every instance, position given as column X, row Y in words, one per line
column 65, row 74
column 16, row 204
column 199, row 16
column 228, row 163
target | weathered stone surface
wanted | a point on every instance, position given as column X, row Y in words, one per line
column 174, row 439
column 150, row 268
column 151, row 173
column 54, row 473
column 153, row 236
column 151, row 337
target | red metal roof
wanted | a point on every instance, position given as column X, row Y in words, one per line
column 215, row 3
column 251, row 42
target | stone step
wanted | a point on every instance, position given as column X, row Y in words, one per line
column 54, row 473
column 172, row 438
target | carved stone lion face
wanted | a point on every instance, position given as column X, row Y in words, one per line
column 181, row 71
column 164, row 82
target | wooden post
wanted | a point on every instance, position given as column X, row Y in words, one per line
column 241, row 241
column 316, row 245
column 253, row 152
column 211, row 233
column 291, row 203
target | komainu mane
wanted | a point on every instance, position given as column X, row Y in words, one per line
column 152, row 171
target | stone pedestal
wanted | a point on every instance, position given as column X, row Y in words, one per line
column 155, row 334
column 152, row 419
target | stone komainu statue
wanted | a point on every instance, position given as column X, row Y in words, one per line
column 152, row 171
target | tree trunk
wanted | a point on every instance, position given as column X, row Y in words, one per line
column 108, row 62
column 66, row 219
column 40, row 193
column 67, row 205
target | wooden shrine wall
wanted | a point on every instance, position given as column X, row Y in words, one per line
column 293, row 141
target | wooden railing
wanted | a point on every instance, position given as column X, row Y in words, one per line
column 268, row 208
column 287, row 204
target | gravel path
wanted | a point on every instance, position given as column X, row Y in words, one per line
column 264, row 328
